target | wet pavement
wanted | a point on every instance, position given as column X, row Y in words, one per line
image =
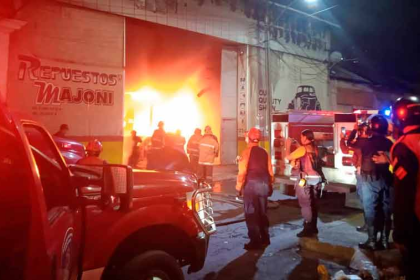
column 283, row 259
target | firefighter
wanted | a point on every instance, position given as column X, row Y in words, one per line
column 354, row 145
column 158, row 137
column 64, row 129
column 308, row 164
column 208, row 151
column 192, row 149
column 255, row 184
column 136, row 152
column 405, row 164
column 377, row 186
column 93, row 150
column 179, row 141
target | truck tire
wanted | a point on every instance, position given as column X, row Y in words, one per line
column 153, row 265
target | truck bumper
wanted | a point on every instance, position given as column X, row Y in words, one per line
column 201, row 244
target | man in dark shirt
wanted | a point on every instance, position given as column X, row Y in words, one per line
column 354, row 145
column 376, row 186
column 64, row 128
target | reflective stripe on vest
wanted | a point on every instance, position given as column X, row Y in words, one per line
column 412, row 142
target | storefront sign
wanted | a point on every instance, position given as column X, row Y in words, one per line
column 88, row 98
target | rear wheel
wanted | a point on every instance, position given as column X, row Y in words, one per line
column 153, row 265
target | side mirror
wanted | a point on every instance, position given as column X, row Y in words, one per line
column 118, row 186
column 109, row 185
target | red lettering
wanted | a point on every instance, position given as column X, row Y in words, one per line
column 66, row 74
column 112, row 81
column 110, row 98
column 89, row 96
column 86, row 77
column 45, row 72
column 101, row 97
column 66, row 95
column 54, row 72
column 78, row 98
column 95, row 77
column 34, row 64
column 103, row 79
column 77, row 75
column 47, row 93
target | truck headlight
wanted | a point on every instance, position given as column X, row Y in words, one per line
column 201, row 205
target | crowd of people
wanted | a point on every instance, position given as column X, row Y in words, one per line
column 387, row 175
column 170, row 151
column 388, row 182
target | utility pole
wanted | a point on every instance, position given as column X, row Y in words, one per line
column 267, row 75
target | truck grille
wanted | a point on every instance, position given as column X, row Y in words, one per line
column 203, row 211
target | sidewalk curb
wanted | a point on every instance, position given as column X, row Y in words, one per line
column 335, row 251
column 352, row 255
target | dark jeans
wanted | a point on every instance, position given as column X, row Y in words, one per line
column 359, row 188
column 307, row 197
column 194, row 163
column 255, row 208
column 205, row 172
column 377, row 202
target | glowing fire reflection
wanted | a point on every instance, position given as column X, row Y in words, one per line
column 178, row 111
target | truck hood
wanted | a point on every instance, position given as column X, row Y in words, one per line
column 157, row 183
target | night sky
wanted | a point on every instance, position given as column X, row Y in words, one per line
column 383, row 34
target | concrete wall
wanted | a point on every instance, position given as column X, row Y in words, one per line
column 67, row 49
column 211, row 19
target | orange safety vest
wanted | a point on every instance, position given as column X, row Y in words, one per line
column 412, row 142
column 243, row 167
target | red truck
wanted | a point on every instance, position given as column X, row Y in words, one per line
column 62, row 221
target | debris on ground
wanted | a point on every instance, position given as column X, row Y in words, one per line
column 340, row 275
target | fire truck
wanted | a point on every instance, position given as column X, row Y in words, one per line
column 67, row 222
column 329, row 127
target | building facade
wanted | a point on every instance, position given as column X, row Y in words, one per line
column 106, row 67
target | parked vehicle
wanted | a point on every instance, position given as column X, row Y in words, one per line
column 71, row 150
column 64, row 221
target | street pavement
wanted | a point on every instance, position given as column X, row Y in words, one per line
column 287, row 257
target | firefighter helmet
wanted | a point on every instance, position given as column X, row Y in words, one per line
column 254, row 135
column 94, row 147
column 406, row 111
column 379, row 125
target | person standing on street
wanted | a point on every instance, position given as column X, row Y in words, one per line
column 136, row 150
column 255, row 184
column 377, row 186
column 308, row 164
column 405, row 164
column 158, row 137
column 208, row 151
column 354, row 146
column 193, row 149
column 64, row 129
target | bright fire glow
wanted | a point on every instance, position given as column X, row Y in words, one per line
column 177, row 111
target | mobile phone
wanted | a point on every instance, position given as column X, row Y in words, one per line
column 343, row 130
